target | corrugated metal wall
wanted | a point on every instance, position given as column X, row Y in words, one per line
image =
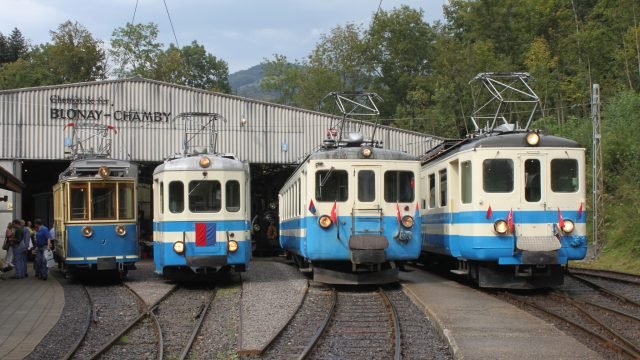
column 31, row 122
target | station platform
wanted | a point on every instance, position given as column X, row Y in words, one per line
column 29, row 308
column 479, row 326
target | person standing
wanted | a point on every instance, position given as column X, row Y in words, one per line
column 42, row 245
column 9, row 240
column 20, row 249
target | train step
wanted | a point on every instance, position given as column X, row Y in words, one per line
column 460, row 271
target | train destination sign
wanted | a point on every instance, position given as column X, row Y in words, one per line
column 58, row 111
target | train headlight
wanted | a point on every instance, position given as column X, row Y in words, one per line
column 205, row 162
column 533, row 138
column 256, row 227
column 407, row 221
column 121, row 230
column 366, row 152
column 178, row 247
column 87, row 231
column 324, row 221
column 501, row 227
column 568, row 226
column 104, row 171
column 232, row 245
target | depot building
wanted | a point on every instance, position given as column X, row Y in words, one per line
column 35, row 143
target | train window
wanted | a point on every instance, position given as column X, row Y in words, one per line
column 79, row 194
column 497, row 175
column 204, row 196
column 103, row 201
column 366, row 185
column 564, row 175
column 432, row 191
column 532, row 185
column 398, row 186
column 443, row 187
column 161, row 197
column 126, row 205
column 466, row 184
column 232, row 195
column 332, row 185
column 176, row 197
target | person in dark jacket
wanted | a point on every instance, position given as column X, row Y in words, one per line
column 20, row 249
column 42, row 245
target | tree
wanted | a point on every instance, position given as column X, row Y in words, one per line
column 135, row 50
column 74, row 55
column 17, row 45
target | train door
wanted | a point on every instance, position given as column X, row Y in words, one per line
column 367, row 212
column 534, row 230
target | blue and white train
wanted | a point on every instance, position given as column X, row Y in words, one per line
column 349, row 213
column 201, row 221
column 95, row 217
column 505, row 208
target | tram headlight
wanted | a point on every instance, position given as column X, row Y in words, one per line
column 533, row 138
column 407, row 221
column 87, row 231
column 256, row 227
column 178, row 247
column 501, row 227
column 232, row 245
column 121, row 230
column 366, row 152
column 568, row 226
column 104, row 171
column 205, row 162
column 324, row 221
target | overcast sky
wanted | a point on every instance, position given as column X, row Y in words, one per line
column 241, row 32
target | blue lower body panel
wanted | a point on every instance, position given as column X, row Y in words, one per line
column 104, row 243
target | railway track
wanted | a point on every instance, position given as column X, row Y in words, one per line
column 616, row 276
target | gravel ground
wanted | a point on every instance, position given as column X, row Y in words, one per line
column 420, row 340
column 150, row 286
column 296, row 336
column 141, row 342
column 62, row 337
column 271, row 294
column 218, row 335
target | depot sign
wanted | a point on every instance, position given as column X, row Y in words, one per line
column 67, row 108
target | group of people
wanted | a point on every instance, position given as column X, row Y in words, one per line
column 20, row 238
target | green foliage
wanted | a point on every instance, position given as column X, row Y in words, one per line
column 134, row 49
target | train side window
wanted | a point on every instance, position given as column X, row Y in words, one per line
column 205, row 196
column 366, row 186
column 443, row 187
column 161, row 197
column 232, row 194
column 126, row 198
column 497, row 175
column 399, row 186
column 79, row 194
column 432, row 191
column 532, row 185
column 176, row 197
column 103, row 201
column 564, row 175
column 332, row 185
column 466, row 184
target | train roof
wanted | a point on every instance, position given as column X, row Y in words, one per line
column 496, row 140
column 356, row 153
column 219, row 162
column 90, row 167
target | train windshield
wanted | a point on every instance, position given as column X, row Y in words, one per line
column 205, row 196
column 532, row 186
column 126, row 205
column 232, row 195
column 108, row 201
column 332, row 185
column 398, row 186
column 497, row 175
column 564, row 175
column 103, row 201
column 79, row 196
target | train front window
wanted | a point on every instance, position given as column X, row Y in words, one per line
column 497, row 175
column 564, row 175
column 126, row 205
column 176, row 197
column 103, row 201
column 532, row 183
column 366, row 186
column 205, row 196
column 332, row 185
column 398, row 186
column 232, row 195
column 79, row 196
column 466, row 182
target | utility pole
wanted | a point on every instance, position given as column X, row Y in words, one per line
column 598, row 173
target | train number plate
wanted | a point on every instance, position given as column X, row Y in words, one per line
column 107, row 263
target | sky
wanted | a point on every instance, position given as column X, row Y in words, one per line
column 242, row 32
